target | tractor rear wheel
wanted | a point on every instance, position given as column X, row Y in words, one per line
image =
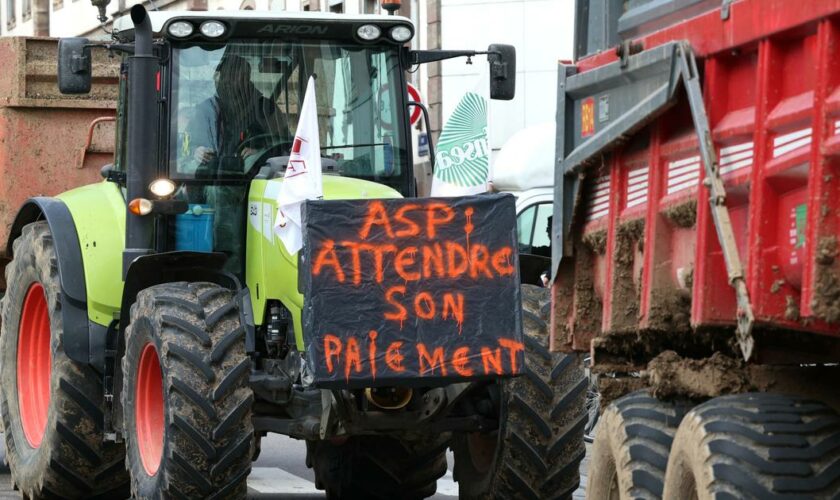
column 756, row 446
column 51, row 406
column 631, row 449
column 537, row 449
column 186, row 399
column 378, row 467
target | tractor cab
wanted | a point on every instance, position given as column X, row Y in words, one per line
column 227, row 96
column 231, row 86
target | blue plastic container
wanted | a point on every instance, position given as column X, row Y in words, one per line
column 194, row 229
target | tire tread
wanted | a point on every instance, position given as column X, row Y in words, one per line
column 766, row 445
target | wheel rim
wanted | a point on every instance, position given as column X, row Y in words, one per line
column 149, row 410
column 34, row 365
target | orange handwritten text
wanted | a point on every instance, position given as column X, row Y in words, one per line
column 346, row 357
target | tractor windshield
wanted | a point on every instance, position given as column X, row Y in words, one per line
column 235, row 108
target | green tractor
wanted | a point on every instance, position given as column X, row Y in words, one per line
column 154, row 328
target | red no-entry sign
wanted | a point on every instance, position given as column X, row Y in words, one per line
column 414, row 96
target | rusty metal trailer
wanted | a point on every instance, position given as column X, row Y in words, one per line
column 695, row 240
column 49, row 142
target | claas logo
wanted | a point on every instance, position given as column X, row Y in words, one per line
column 587, row 117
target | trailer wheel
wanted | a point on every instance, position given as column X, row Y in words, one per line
column 632, row 446
column 758, row 446
column 378, row 467
column 186, row 399
column 537, row 449
column 51, row 406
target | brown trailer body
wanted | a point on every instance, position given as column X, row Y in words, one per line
column 49, row 142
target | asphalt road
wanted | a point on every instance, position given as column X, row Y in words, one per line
column 281, row 474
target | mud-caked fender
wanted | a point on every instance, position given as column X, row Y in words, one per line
column 77, row 328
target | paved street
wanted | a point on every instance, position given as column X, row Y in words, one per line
column 280, row 474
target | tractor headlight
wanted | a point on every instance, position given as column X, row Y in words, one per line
column 400, row 34
column 212, row 29
column 162, row 188
column 181, row 29
column 369, row 32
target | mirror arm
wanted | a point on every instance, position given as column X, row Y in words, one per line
column 428, row 129
column 122, row 48
column 427, row 56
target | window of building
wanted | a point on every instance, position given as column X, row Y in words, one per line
column 369, row 6
column 26, row 10
column 11, row 15
column 305, row 6
column 337, row 6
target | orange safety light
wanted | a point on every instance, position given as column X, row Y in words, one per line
column 140, row 206
column 391, row 6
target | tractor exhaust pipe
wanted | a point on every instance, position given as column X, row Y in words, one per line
column 389, row 398
column 143, row 115
column 142, row 31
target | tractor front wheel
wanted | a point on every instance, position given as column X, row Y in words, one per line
column 186, row 399
column 536, row 451
column 51, row 406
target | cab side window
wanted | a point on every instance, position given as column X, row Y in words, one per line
column 541, row 242
column 534, row 229
column 525, row 228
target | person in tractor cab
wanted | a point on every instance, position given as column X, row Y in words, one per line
column 225, row 129
column 220, row 132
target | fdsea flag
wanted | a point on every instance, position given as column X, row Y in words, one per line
column 302, row 180
column 462, row 155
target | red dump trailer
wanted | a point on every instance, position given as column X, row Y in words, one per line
column 695, row 243
column 49, row 142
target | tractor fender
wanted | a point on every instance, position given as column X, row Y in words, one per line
column 76, row 340
column 169, row 267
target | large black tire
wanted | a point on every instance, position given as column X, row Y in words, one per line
column 537, row 449
column 378, row 467
column 756, row 446
column 72, row 460
column 632, row 446
column 203, row 446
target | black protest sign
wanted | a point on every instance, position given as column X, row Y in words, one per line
column 411, row 291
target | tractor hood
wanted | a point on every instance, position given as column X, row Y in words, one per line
column 335, row 188
column 271, row 269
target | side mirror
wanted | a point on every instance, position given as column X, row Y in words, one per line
column 74, row 66
column 502, row 59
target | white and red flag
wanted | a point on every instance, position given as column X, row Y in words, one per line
column 302, row 180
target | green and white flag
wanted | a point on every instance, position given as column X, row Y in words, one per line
column 462, row 156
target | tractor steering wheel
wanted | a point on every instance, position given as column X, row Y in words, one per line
column 263, row 154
